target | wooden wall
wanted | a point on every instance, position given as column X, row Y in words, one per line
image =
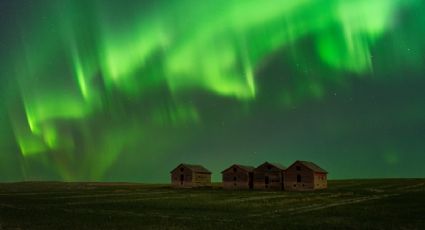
column 187, row 178
column 201, row 179
column 238, row 179
column 320, row 181
column 273, row 175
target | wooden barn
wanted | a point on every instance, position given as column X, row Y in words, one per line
column 238, row 177
column 190, row 176
column 305, row 175
column 269, row 176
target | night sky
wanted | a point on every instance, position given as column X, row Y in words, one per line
column 126, row 90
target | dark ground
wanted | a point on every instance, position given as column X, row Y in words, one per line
column 347, row 204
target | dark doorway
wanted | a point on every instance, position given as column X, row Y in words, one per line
column 251, row 180
column 267, row 181
column 298, row 178
column 181, row 179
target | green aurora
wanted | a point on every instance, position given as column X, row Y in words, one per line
column 125, row 90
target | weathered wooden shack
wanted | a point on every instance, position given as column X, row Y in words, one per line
column 305, row 175
column 269, row 176
column 190, row 176
column 238, row 177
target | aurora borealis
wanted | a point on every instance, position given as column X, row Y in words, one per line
column 126, row 90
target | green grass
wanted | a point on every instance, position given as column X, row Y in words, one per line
column 348, row 204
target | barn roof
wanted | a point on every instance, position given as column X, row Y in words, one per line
column 243, row 167
column 194, row 168
column 312, row 166
column 277, row 165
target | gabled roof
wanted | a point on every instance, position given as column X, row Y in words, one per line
column 194, row 168
column 276, row 165
column 312, row 166
column 243, row 167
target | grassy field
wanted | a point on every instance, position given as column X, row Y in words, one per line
column 348, row 204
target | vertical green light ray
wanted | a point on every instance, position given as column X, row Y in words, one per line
column 81, row 61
